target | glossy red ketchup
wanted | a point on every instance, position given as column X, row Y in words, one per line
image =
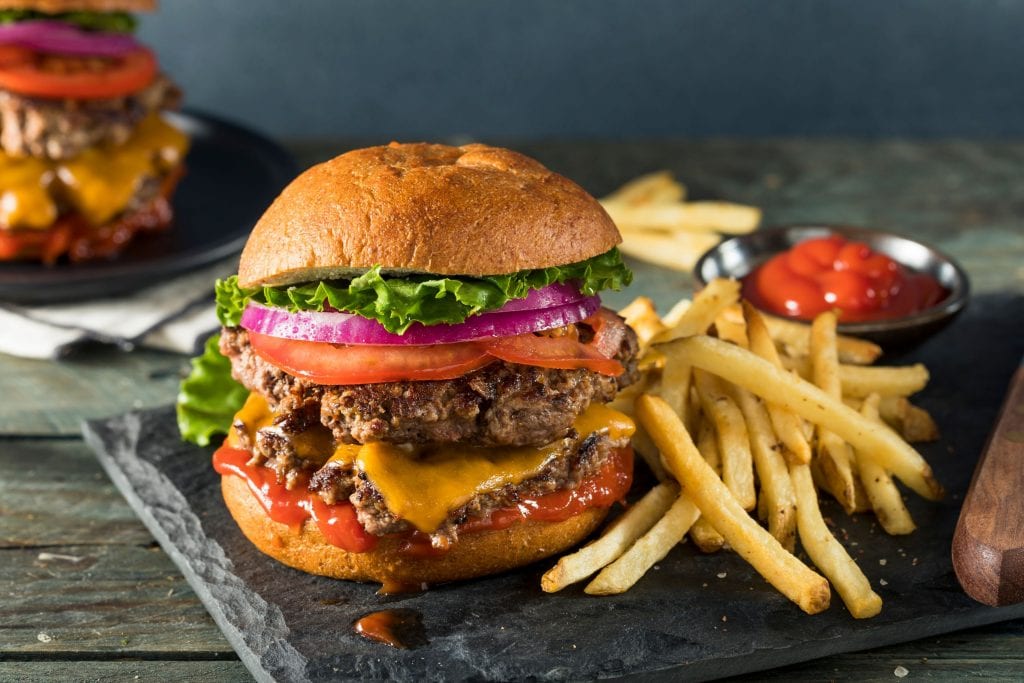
column 832, row 273
column 340, row 526
column 337, row 522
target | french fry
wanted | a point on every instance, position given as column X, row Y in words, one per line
column 796, row 335
column 645, row 448
column 667, row 532
column 642, row 316
column 733, row 440
column 675, row 314
column 788, row 427
column 707, row 444
column 773, row 384
column 678, row 251
column 914, row 423
column 776, row 487
column 615, row 540
column 835, row 457
column 827, row 553
column 699, row 316
column 702, row 311
column 693, row 217
column 857, row 381
column 885, row 498
column 784, row 571
column 702, row 533
column 657, row 187
column 729, row 329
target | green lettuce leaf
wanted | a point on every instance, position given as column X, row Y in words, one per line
column 397, row 302
column 114, row 22
column 209, row 397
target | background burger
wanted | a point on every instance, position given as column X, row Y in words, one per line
column 424, row 365
column 86, row 162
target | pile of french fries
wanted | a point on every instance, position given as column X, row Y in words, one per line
column 658, row 225
column 741, row 414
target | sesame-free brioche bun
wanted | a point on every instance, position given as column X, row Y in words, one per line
column 420, row 208
column 476, row 554
column 58, row 6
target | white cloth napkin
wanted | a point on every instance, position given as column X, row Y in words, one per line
column 172, row 316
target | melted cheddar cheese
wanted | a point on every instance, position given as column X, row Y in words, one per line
column 98, row 184
column 422, row 485
column 315, row 443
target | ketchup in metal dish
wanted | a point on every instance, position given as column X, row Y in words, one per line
column 832, row 273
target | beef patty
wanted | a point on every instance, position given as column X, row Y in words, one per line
column 63, row 128
column 578, row 457
column 501, row 404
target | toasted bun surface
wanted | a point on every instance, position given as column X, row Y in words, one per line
column 470, row 210
column 476, row 554
column 57, row 6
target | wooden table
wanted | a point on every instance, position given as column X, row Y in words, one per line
column 87, row 594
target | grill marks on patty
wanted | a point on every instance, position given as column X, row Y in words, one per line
column 502, row 404
column 64, row 128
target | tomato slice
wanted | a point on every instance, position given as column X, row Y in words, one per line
column 335, row 364
column 564, row 353
column 368, row 364
column 41, row 75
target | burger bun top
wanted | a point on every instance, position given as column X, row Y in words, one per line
column 473, row 210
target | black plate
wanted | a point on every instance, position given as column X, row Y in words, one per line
column 232, row 175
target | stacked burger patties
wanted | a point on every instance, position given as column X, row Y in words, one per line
column 86, row 161
column 425, row 363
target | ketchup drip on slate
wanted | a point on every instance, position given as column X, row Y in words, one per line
column 401, row 628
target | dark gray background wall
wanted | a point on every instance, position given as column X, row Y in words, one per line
column 618, row 68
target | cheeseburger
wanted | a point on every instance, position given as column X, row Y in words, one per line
column 414, row 368
column 86, row 161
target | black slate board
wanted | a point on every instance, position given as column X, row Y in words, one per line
column 680, row 620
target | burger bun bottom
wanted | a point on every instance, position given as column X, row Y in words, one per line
column 475, row 554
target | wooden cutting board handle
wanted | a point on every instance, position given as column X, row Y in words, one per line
column 988, row 546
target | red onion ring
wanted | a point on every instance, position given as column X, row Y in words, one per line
column 545, row 297
column 59, row 38
column 348, row 328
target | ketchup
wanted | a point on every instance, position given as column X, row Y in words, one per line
column 401, row 628
column 602, row 490
column 337, row 522
column 340, row 526
column 832, row 273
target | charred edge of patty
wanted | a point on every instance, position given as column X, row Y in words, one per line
column 579, row 459
column 502, row 404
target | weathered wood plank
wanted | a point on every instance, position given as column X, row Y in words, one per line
column 45, row 398
column 102, row 672
column 53, row 492
column 121, row 599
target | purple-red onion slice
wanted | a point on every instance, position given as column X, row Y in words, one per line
column 347, row 328
column 545, row 297
column 59, row 38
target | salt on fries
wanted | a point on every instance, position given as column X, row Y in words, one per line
column 658, row 225
column 792, row 403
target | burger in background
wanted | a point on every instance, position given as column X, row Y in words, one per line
column 86, row 161
column 415, row 365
